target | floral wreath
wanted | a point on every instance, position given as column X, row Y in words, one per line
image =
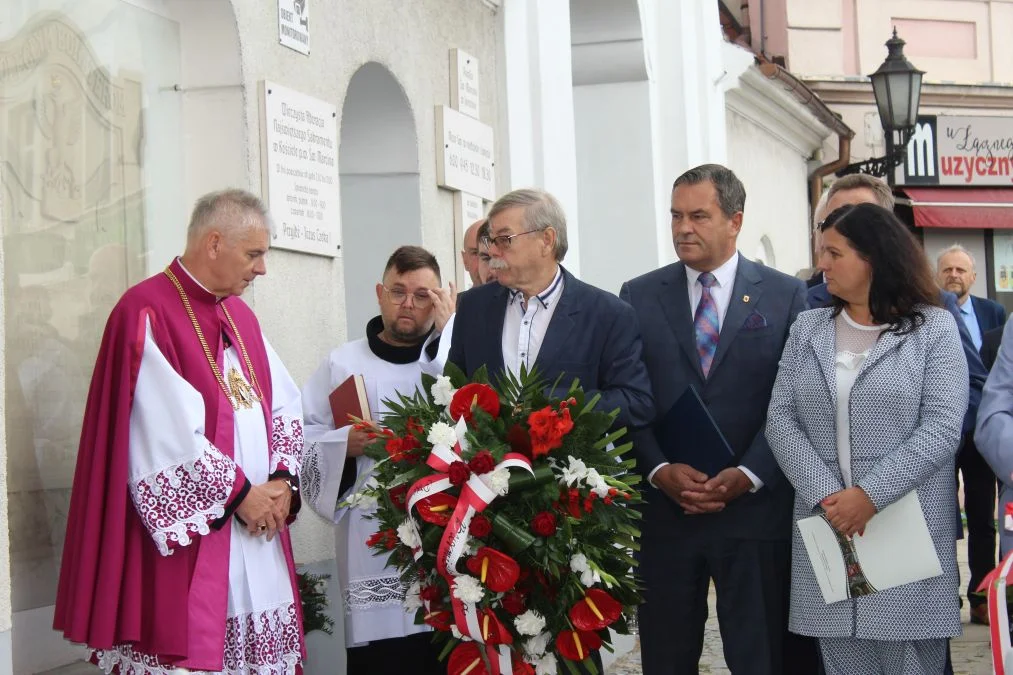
column 508, row 513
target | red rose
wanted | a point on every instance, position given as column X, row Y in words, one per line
column 480, row 526
column 430, row 593
column 513, row 603
column 483, row 462
column 399, row 496
column 519, row 440
column 471, row 395
column 459, row 473
column 547, row 429
column 544, row 524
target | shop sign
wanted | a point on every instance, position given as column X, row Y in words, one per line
column 957, row 150
column 300, row 143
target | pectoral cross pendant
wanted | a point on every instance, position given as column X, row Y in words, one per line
column 242, row 392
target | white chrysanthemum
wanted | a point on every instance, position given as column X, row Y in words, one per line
column 409, row 534
column 498, row 481
column 442, row 433
column 546, row 665
column 537, row 645
column 597, row 484
column 530, row 623
column 412, row 601
column 574, row 472
column 589, row 577
column 442, row 390
column 578, row 563
column 468, row 589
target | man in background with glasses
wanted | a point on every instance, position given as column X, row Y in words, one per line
column 401, row 343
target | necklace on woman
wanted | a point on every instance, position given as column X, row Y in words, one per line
column 239, row 392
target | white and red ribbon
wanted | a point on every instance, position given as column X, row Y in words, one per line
column 998, row 618
column 475, row 496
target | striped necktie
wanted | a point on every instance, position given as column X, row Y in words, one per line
column 705, row 324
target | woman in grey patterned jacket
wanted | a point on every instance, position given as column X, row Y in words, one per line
column 867, row 406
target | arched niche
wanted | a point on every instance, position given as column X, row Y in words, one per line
column 119, row 114
column 378, row 162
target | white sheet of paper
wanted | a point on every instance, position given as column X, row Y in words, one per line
column 896, row 549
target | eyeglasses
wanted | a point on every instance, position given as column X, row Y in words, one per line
column 398, row 296
column 504, row 241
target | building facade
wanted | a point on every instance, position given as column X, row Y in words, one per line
column 956, row 184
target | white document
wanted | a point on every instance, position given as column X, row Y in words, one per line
column 896, row 549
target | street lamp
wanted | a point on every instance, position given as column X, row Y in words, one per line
column 897, row 86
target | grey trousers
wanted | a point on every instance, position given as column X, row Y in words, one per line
column 851, row 656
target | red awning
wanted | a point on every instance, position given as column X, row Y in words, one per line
column 969, row 208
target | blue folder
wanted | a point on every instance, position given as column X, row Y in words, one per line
column 688, row 434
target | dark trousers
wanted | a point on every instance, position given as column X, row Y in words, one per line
column 415, row 654
column 979, row 506
column 751, row 578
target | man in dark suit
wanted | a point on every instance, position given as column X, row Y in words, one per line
column 541, row 315
column 718, row 322
column 990, row 343
column 955, row 272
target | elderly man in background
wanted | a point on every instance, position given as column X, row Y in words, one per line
column 955, row 272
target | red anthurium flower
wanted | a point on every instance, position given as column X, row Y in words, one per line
column 440, row 619
column 466, row 659
column 577, row 645
column 474, row 394
column 597, row 610
column 498, row 571
column 522, row 667
column 493, row 630
column 437, row 508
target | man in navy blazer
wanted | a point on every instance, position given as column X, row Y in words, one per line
column 956, row 273
column 541, row 315
column 717, row 322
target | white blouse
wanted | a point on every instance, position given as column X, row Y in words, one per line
column 854, row 342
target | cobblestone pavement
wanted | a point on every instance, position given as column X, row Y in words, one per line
column 970, row 651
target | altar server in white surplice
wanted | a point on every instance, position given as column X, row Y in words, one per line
column 409, row 338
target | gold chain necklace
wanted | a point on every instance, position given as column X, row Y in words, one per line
column 240, row 394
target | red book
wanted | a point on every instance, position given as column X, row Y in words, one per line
column 349, row 400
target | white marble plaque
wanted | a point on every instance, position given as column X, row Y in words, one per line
column 294, row 24
column 464, row 83
column 466, row 162
column 300, row 137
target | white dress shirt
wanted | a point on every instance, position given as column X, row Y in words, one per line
column 721, row 292
column 525, row 324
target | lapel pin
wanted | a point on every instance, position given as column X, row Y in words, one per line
column 745, row 298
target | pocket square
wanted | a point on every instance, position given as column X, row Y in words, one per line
column 754, row 321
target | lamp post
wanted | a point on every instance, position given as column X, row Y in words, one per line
column 897, row 86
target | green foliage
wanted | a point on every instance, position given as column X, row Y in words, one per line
column 313, row 594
